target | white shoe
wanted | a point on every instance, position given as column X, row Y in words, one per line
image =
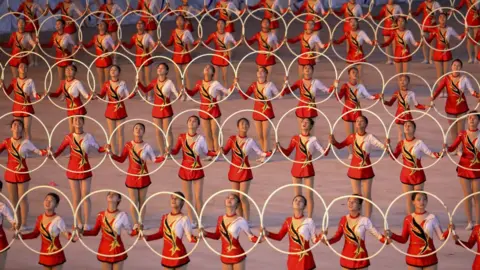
column 476, row 61
column 469, row 226
column 86, row 227
column 194, row 224
column 207, row 159
column 350, row 157
column 425, row 62
column 430, row 62
column 150, row 99
column 470, row 61
column 389, row 62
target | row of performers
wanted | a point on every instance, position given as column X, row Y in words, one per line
column 419, row 228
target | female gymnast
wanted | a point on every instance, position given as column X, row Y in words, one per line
column 225, row 9
column 470, row 243
column 473, row 22
column 312, row 10
column 150, row 8
column 5, row 213
column 361, row 176
column 428, row 21
column 17, row 176
column 269, row 12
column 69, row 9
column 389, row 13
column 112, row 11
column 79, row 143
column 305, row 146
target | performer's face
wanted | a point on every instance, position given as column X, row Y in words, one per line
column 49, row 203
column 390, row 2
column 192, row 123
column 22, row 68
column 401, row 23
column 360, row 123
column 408, row 128
column 310, row 26
column 353, row 204
column 102, row 27
column 403, row 82
column 231, row 201
column 305, row 124
column 354, row 24
column 221, row 26
column 138, row 130
column 472, row 121
column 109, row 2
column 161, row 70
column 140, row 26
column 442, row 19
column 69, row 72
column 420, row 201
column 353, row 74
column 78, row 122
column 16, row 129
column 114, row 72
column 307, row 72
column 180, row 22
column 265, row 25
column 298, row 203
column 176, row 202
column 59, row 26
column 20, row 25
column 456, row 66
column 208, row 71
column 243, row 126
column 113, row 197
column 261, row 75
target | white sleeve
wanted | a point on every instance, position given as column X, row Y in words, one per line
column 202, row 146
column 468, row 85
column 317, row 41
column 398, row 10
column 125, row 222
column 7, row 213
column 452, row 32
column 29, row 147
column 109, row 42
column 219, row 87
column 364, row 92
column 371, row 229
column 149, row 153
column 76, row 10
column 233, row 8
column 436, row 5
column 32, row 87
column 437, row 229
column 173, row 89
column 274, row 40
column 318, row 147
column 363, row 37
column 187, row 37
column 69, row 40
column 61, row 225
column 242, row 223
column 82, row 90
column 91, row 141
column 123, row 91
column 311, row 229
column 359, row 10
column 409, row 38
column 149, row 41
column 29, row 40
column 414, row 99
column 318, row 85
column 274, row 89
column 116, row 8
column 320, row 8
column 424, row 148
column 374, row 141
column 256, row 149
column 187, row 228
column 229, row 38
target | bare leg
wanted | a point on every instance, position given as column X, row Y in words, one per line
column 367, row 193
column 425, row 49
column 348, row 131
column 470, row 45
column 166, row 122
column 297, row 190
column 187, row 79
column 101, row 75
column 28, row 127
column 475, row 46
column 187, row 190
column 133, row 194
column 227, row 266
column 58, row 267
column 309, row 181
column 476, row 199
column 142, row 197
column 398, row 67
column 76, row 194
column 198, row 193
column 433, row 267
column 111, row 127
column 107, row 266
column 360, row 73
column 70, row 125
column 85, row 190
column 453, row 130
column 236, row 186
column 147, row 71
column 159, row 136
column 244, row 187
column 266, row 132
column 13, row 197
column 269, row 76
column 117, row 266
column 120, row 135
column 400, row 132
column 225, row 75
column 438, row 68
column 208, row 133
column 261, row 137
column 405, row 66
column 240, row 266
column 467, row 190
column 22, row 188
column 388, row 49
column 300, row 72
column 115, row 41
column 215, row 132
column 408, row 199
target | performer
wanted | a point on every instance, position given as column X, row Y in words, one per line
column 361, row 176
column 112, row 11
column 301, row 230
column 182, row 40
column 308, row 88
column 412, row 149
column 116, row 111
column 310, row 42
column 172, row 228
column 19, row 42
column 24, row 90
column 223, row 44
column 72, row 90
column 240, row 172
column 313, row 9
column 192, row 145
column 389, row 13
column 420, row 227
column 428, row 21
column 17, row 176
column 442, row 34
column 352, row 90
column 150, row 8
column 79, row 176
column 267, row 42
column 162, row 112
column 229, row 227
column 405, row 98
column 50, row 226
column 69, row 9
column 305, row 147
column 354, row 228
column 349, row 10
column 456, row 106
column 469, row 175
column 209, row 91
column 402, row 36
column 138, row 178
column 64, row 47
column 103, row 43
column 262, row 90
column 144, row 47
column 5, row 213
column 111, row 221
column 473, row 22
column 472, row 240
column 187, row 11
column 269, row 13
column 225, row 10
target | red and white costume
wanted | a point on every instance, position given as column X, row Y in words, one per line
column 262, row 92
column 23, row 91
column 402, row 50
column 150, row 8
column 403, row 105
column 267, row 44
column 362, row 147
column 116, row 94
column 241, row 149
column 19, row 43
column 456, row 103
column 305, row 147
column 472, row 240
column 72, row 92
column 412, row 157
column 389, row 12
column 352, row 93
column 103, row 44
column 61, row 43
column 172, row 228
column 208, row 98
column 442, row 44
column 307, row 96
column 143, row 43
column 268, row 14
column 230, row 232
column 186, row 11
column 16, row 161
column 300, row 232
column 78, row 163
column 309, row 44
column 355, row 41
column 421, row 239
column 111, row 241
column 425, row 9
column 354, row 229
column 138, row 177
column 5, row 212
column 221, row 45
column 477, row 39
column 113, row 12
column 349, row 10
column 70, row 11
column 163, row 92
column 191, row 156
column 50, row 234
column 311, row 11
column 473, row 16
column 29, row 9
column 181, row 46
column 225, row 10
column 470, row 158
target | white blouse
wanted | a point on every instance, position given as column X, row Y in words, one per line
column 418, row 149
column 362, row 92
column 107, row 42
column 313, row 145
column 72, row 9
column 121, row 222
column 313, row 41
column 167, row 89
column 249, row 146
column 407, row 37
column 147, row 151
column 237, row 226
column 200, row 147
column 361, row 37
column 314, row 86
column 27, row 146
column 64, row 41
column 87, row 143
column 307, row 229
column 57, row 226
column 464, row 84
column 367, row 142
column 76, row 88
column 5, row 212
column 147, row 41
column 181, row 225
column 409, row 98
column 121, row 90
column 28, row 87
column 365, row 225
column 187, row 37
column 317, row 8
column 356, row 11
column 269, row 90
column 151, row 7
column 214, row 88
column 431, row 226
column 272, row 39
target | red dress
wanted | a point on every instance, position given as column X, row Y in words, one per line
column 272, row 16
column 22, row 91
column 72, row 93
column 355, row 40
column 456, row 103
column 307, row 45
column 50, row 241
column 349, row 12
column 267, row 44
column 150, row 22
column 427, row 20
column 181, row 46
column 28, row 8
column 473, row 16
column 421, row 241
column 230, row 233
column 102, row 44
column 387, row 15
column 183, row 8
column 191, row 157
column 5, row 213
column 470, row 158
column 311, row 11
column 352, row 94
column 138, row 177
column 402, row 50
column 163, row 107
column 16, row 160
column 262, row 103
column 70, row 26
column 208, row 98
column 442, row 44
column 18, row 46
column 221, row 45
column 304, row 150
column 142, row 45
column 112, row 25
column 115, row 107
column 225, row 8
column 403, row 105
column 472, row 240
column 307, row 96
column 78, row 163
column 61, row 43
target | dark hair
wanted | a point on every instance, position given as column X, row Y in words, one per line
column 180, row 16
column 303, row 198
column 411, row 122
column 311, row 122
column 139, row 124
column 364, row 118
column 81, row 117
column 165, row 65
column 55, row 197
column 406, row 77
column 102, row 22
column 359, row 199
column 116, row 66
column 222, row 20
column 243, row 119
column 308, row 65
column 1, row 185
column 459, row 61
column 142, row 22
column 401, row 17
column 196, row 118
column 73, row 67
column 119, row 196
column 181, row 196
column 352, row 68
column 20, row 122
column 212, row 68
column 414, row 195
column 264, row 69
column 237, row 198
column 475, row 112
column 21, row 19
column 62, row 21
column 266, row 19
